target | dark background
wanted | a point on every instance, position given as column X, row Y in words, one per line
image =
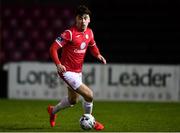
column 140, row 31
column 126, row 31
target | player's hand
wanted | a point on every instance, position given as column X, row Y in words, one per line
column 61, row 68
column 102, row 59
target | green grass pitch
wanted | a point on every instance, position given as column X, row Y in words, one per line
column 31, row 116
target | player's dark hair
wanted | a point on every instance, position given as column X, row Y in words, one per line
column 82, row 9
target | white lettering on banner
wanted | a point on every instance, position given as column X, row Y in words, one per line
column 33, row 80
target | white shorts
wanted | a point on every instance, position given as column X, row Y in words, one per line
column 73, row 79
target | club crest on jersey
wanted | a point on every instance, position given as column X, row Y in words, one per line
column 83, row 45
column 87, row 36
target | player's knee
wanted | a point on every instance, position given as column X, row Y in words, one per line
column 89, row 97
column 73, row 101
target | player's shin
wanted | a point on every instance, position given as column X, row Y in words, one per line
column 88, row 107
column 64, row 103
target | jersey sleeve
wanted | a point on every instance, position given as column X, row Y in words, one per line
column 92, row 41
column 54, row 53
column 67, row 35
column 60, row 41
column 94, row 50
column 93, row 47
column 64, row 38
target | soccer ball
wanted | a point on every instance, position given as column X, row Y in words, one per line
column 87, row 121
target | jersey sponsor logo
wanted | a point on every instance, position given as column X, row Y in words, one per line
column 79, row 51
column 82, row 48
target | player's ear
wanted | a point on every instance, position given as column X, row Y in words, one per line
column 76, row 18
column 89, row 20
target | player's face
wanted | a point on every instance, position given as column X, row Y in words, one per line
column 82, row 22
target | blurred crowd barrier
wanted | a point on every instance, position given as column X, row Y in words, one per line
column 34, row 80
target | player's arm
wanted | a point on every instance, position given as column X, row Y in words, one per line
column 65, row 37
column 102, row 59
column 54, row 55
column 95, row 52
column 94, row 49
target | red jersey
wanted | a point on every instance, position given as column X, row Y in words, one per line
column 74, row 45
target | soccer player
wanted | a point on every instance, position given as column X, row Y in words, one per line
column 74, row 43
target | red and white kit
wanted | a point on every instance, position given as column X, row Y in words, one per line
column 74, row 45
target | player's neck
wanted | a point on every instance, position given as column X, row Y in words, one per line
column 80, row 30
